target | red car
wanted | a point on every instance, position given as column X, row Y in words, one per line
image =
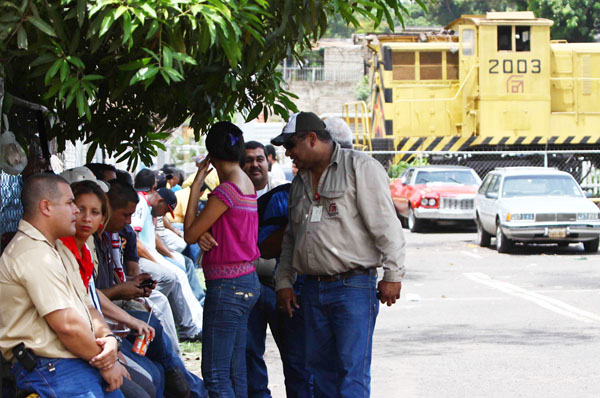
column 435, row 193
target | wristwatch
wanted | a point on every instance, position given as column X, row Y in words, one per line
column 119, row 340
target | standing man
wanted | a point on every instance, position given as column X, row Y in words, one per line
column 67, row 348
column 342, row 227
column 275, row 169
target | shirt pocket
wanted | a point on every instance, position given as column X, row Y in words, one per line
column 296, row 211
column 333, row 204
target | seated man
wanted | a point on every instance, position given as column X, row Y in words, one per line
column 74, row 351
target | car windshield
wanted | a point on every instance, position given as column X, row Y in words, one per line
column 540, row 185
column 464, row 177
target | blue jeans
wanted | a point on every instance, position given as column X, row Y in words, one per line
column 225, row 323
column 160, row 351
column 289, row 337
column 57, row 378
column 339, row 322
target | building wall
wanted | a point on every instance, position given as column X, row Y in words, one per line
column 323, row 96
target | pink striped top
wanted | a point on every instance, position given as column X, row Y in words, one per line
column 236, row 231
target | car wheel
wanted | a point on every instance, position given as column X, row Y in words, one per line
column 414, row 224
column 591, row 246
column 483, row 237
column 403, row 220
column 503, row 244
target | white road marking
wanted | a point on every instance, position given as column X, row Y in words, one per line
column 470, row 254
column 549, row 303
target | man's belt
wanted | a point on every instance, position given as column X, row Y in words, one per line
column 343, row 275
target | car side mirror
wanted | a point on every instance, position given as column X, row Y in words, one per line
column 491, row 195
column 588, row 194
column 403, row 183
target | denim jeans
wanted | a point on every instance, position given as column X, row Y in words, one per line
column 62, row 377
column 339, row 322
column 289, row 337
column 226, row 309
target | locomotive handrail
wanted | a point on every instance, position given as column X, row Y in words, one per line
column 460, row 88
column 363, row 138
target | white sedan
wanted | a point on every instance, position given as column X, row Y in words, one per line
column 534, row 204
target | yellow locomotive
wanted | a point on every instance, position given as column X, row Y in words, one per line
column 486, row 82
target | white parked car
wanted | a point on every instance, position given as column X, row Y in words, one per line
column 534, row 204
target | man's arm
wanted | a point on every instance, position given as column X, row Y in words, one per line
column 132, row 268
column 74, row 332
column 170, row 227
column 144, row 252
column 115, row 312
column 161, row 247
column 285, row 275
column 270, row 247
column 374, row 203
column 109, row 344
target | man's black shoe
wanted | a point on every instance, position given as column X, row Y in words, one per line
column 176, row 385
column 192, row 339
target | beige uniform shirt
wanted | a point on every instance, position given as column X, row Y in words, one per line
column 33, row 283
column 351, row 224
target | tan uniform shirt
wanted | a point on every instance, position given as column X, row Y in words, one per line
column 33, row 283
column 357, row 226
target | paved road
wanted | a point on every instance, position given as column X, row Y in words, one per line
column 475, row 323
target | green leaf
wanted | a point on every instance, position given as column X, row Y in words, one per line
column 76, row 61
column 64, row 70
column 22, row 38
column 80, row 103
column 42, row 59
column 144, row 74
column 184, row 58
column 81, row 7
column 126, row 27
column 107, row 23
column 120, row 11
column 136, row 64
column 165, row 76
column 167, row 56
column 41, row 25
column 149, row 10
column 256, row 110
column 173, row 74
column 89, row 78
column 153, row 29
column 71, row 96
column 52, row 71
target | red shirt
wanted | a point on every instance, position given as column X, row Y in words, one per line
column 86, row 265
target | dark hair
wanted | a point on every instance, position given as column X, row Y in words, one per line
column 90, row 187
column 120, row 195
column 270, row 150
column 124, row 177
column 323, row 135
column 255, row 145
column 144, row 179
column 225, row 141
column 100, row 168
column 38, row 187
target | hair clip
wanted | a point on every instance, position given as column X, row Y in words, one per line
column 233, row 139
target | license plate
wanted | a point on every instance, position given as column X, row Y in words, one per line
column 557, row 232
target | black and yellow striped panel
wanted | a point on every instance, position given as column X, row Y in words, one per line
column 458, row 143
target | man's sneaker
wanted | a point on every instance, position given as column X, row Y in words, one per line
column 192, row 339
column 176, row 385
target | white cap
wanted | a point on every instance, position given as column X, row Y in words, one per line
column 78, row 174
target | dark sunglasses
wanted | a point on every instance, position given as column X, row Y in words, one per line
column 293, row 140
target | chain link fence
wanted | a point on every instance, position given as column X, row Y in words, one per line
column 583, row 165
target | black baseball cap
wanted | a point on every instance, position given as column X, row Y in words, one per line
column 170, row 199
column 299, row 122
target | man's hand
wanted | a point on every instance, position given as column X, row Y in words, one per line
column 107, row 358
column 138, row 279
column 130, row 290
column 114, row 376
column 389, row 292
column 207, row 242
column 287, row 301
column 141, row 327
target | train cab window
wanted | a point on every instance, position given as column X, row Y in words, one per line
column 468, row 42
column 403, row 65
column 504, row 38
column 430, row 65
column 452, row 65
column 522, row 38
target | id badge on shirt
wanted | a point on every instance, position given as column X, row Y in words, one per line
column 317, row 211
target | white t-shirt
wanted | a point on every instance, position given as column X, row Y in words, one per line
column 277, row 172
column 142, row 223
